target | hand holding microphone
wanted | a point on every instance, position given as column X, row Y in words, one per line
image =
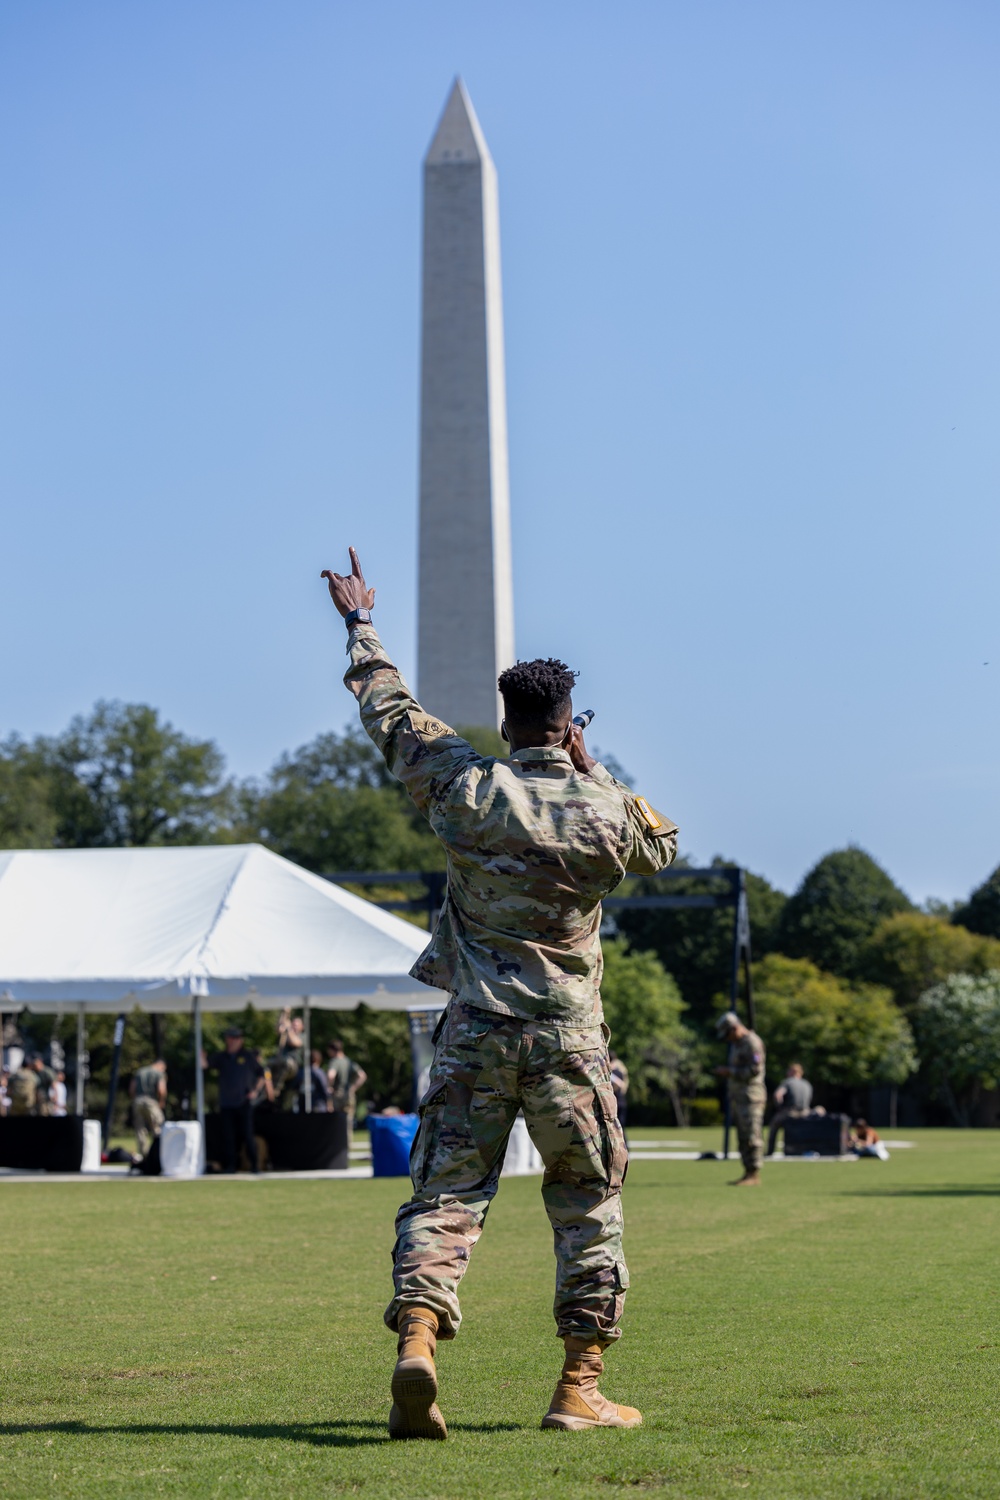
column 574, row 744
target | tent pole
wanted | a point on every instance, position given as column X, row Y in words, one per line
column 307, row 1076
column 199, row 1077
column 81, row 1053
column 116, row 1062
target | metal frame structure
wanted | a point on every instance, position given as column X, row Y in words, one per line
column 735, row 896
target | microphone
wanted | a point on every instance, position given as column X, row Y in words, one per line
column 583, row 720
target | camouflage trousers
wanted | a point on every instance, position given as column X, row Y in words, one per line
column 487, row 1068
column 748, row 1113
column 147, row 1117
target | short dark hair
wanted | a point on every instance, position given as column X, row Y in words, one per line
column 537, row 692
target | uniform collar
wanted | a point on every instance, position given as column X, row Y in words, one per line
column 554, row 753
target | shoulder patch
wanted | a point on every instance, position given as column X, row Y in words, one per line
column 653, row 819
column 659, row 826
column 426, row 724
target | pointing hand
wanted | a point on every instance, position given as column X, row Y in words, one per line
column 351, row 592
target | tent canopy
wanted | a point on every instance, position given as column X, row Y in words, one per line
column 232, row 924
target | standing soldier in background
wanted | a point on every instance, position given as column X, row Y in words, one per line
column 23, row 1089
column 747, row 1092
column 533, row 845
column 46, row 1078
column 287, row 1063
column 345, row 1077
column 148, row 1091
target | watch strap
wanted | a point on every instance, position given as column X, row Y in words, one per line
column 358, row 617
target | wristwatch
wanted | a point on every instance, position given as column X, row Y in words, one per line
column 358, row 617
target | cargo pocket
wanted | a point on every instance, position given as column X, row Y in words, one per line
column 613, row 1149
column 425, row 1141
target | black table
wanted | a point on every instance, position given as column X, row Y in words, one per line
column 295, row 1142
column 44, row 1143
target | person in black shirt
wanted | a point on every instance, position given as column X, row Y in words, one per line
column 240, row 1072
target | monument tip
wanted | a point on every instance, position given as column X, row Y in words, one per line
column 459, row 138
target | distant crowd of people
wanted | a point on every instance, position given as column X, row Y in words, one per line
column 32, row 1088
column 246, row 1080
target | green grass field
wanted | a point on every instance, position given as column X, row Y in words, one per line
column 832, row 1335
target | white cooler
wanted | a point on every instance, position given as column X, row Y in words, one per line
column 181, row 1153
column 91, row 1146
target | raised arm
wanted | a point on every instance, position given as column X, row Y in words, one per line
column 420, row 751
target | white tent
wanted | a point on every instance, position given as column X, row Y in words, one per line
column 193, row 929
column 230, row 923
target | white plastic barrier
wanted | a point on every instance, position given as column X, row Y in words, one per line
column 522, row 1159
column 181, row 1149
column 91, row 1161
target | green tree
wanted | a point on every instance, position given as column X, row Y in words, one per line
column 643, row 1008
column 958, row 1033
column 836, row 910
column 27, row 817
column 332, row 805
column 484, row 739
column 912, row 951
column 122, row 777
column 843, row 1034
column 696, row 945
column 981, row 913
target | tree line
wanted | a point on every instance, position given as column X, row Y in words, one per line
column 850, row 977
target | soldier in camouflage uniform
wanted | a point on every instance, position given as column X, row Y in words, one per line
column 747, row 1092
column 534, row 843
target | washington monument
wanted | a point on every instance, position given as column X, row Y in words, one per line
column 465, row 632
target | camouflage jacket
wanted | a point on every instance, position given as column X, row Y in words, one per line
column 533, row 846
column 747, row 1061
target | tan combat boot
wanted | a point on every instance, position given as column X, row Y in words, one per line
column 749, row 1179
column 577, row 1403
column 414, row 1380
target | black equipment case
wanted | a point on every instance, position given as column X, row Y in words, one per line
column 822, row 1135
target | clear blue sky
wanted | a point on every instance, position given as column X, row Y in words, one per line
column 750, row 274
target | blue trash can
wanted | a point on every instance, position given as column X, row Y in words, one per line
column 391, row 1137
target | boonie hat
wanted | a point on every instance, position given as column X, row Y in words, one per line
column 726, row 1022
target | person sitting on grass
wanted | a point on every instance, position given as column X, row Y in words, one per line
column 866, row 1141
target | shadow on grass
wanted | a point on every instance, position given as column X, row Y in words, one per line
column 927, row 1191
column 319, row 1434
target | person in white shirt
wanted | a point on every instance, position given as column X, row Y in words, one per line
column 57, row 1094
